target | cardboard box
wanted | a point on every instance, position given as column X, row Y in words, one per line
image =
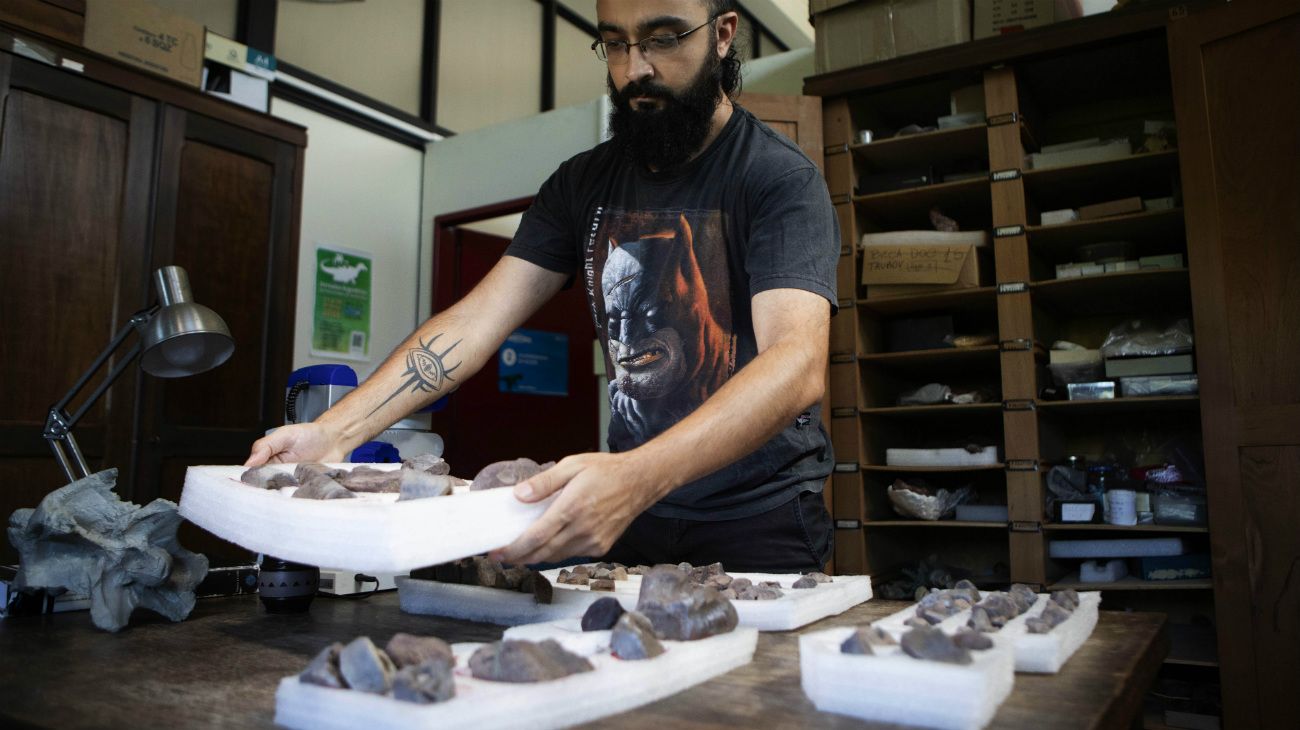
column 998, row 17
column 910, row 269
column 855, row 32
column 1110, row 208
column 148, row 37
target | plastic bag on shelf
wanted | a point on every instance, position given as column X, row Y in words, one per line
column 925, row 503
column 1146, row 338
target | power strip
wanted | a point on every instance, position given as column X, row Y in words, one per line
column 344, row 582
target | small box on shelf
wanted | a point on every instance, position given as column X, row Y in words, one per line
column 999, row 17
column 857, row 32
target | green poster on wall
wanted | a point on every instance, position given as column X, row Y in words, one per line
column 341, row 325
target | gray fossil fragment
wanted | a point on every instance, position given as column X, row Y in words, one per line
column 680, row 610
column 543, row 591
column 1000, row 608
column 770, row 583
column 1068, row 598
column 979, row 620
column 525, row 661
column 507, row 473
column 319, row 486
column 324, row 668
column 703, row 573
column 819, row 577
column 760, row 593
column 427, row 463
column 728, row 594
column 633, row 638
column 305, row 470
column 618, row 573
column 933, row 645
column 416, row 484
column 602, row 574
column 719, row 581
column 407, row 650
column 426, row 683
column 637, row 570
column 805, row 582
column 267, row 477
column 602, row 614
column 865, row 637
column 364, row 667
column 967, row 590
column 371, row 480
column 973, row 640
column 740, row 584
column 601, row 584
column 1023, row 596
column 917, row 622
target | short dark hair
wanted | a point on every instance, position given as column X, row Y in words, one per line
column 729, row 69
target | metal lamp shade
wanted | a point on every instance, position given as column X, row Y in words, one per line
column 184, row 337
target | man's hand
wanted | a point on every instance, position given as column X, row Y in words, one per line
column 602, row 494
column 301, row 442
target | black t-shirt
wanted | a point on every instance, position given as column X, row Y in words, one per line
column 670, row 262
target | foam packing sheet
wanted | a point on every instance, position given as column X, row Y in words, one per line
column 1034, row 653
column 507, row 608
column 986, row 456
column 614, row 686
column 373, row 533
column 892, row 687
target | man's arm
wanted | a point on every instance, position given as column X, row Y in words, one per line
column 444, row 351
column 604, row 492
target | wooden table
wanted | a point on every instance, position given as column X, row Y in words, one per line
column 219, row 669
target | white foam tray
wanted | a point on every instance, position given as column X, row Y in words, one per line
column 614, row 686
column 941, row 457
column 373, row 533
column 1035, row 653
column 890, row 686
column 474, row 603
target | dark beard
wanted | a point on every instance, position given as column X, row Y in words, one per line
column 665, row 138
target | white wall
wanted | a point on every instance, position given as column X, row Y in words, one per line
column 360, row 191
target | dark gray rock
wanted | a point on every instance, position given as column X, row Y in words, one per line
column 967, row 590
column 541, row 588
column 805, row 582
column 633, row 638
column 680, row 610
column 917, row 622
column 1067, row 599
column 1023, row 596
column 267, row 477
column 416, row 484
column 324, row 668
column 507, row 473
column 408, row 650
column 973, row 640
column 364, row 667
column 819, row 577
column 602, row 614
column 933, row 645
column 427, row 463
column 1055, row 613
column 525, row 661
column 979, row 620
column 370, row 480
column 303, row 471
column 703, row 573
column 760, row 593
column 1000, row 608
column 426, row 683
column 864, row 638
column 319, row 486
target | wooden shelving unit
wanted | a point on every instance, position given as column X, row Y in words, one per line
column 1035, row 91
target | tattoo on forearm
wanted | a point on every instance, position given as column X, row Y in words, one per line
column 426, row 371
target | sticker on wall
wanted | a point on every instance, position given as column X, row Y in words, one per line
column 341, row 322
column 534, row 362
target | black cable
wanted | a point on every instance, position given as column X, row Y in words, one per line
column 291, row 401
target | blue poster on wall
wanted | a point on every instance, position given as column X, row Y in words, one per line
column 534, row 362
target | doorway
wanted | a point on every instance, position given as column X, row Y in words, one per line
column 489, row 418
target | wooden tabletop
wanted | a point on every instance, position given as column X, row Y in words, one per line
column 219, row 668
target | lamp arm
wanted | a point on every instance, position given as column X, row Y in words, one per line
column 58, row 424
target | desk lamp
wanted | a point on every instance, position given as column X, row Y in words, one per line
column 178, row 337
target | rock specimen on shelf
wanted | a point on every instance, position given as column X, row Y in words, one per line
column 525, row 661
column 633, row 638
column 602, row 614
column 864, row 638
column 425, row 683
column 973, row 640
column 319, row 486
column 1023, row 596
column 364, row 667
column 933, row 645
column 408, row 650
column 84, row 539
column 680, row 610
column 427, row 463
column 267, row 477
column 324, row 668
column 416, row 484
column 370, row 480
column 507, row 473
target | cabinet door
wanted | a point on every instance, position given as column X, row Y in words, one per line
column 1237, row 98
column 75, row 173
column 227, row 212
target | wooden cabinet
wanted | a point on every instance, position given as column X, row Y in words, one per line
column 106, row 175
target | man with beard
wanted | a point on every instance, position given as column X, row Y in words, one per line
column 707, row 244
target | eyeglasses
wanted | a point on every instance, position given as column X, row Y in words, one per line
column 616, row 53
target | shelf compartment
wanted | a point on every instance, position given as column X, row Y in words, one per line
column 1132, row 584
column 934, row 523
column 1191, row 645
column 883, row 469
column 977, row 298
column 1150, row 231
column 1144, row 529
column 969, row 202
column 1151, row 291
column 926, row 148
column 1146, row 175
column 951, row 409
column 1187, row 403
column 914, row 360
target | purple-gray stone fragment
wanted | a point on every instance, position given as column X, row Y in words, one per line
column 865, row 637
column 633, row 638
column 319, row 486
column 973, row 640
column 602, row 614
column 324, row 668
column 267, row 477
column 408, row 650
column 933, row 645
column 426, row 683
column 1068, row 598
column 371, row 480
column 805, row 582
column 364, row 667
column 819, row 577
column 1023, row 596
column 416, row 484
column 680, row 610
column 525, row 661
column 427, row 463
column 507, row 473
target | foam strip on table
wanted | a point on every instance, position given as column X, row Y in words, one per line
column 892, row 687
column 373, row 533
column 1035, row 653
column 941, row 457
column 614, row 686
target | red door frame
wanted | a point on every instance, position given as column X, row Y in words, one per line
column 442, row 233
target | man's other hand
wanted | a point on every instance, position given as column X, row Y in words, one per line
column 298, row 443
column 600, row 495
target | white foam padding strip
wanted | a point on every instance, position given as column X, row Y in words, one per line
column 1035, row 653
column 941, row 457
column 1117, row 548
column 494, row 605
column 373, row 533
column 614, row 686
column 892, row 687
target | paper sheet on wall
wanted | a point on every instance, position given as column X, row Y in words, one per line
column 341, row 320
